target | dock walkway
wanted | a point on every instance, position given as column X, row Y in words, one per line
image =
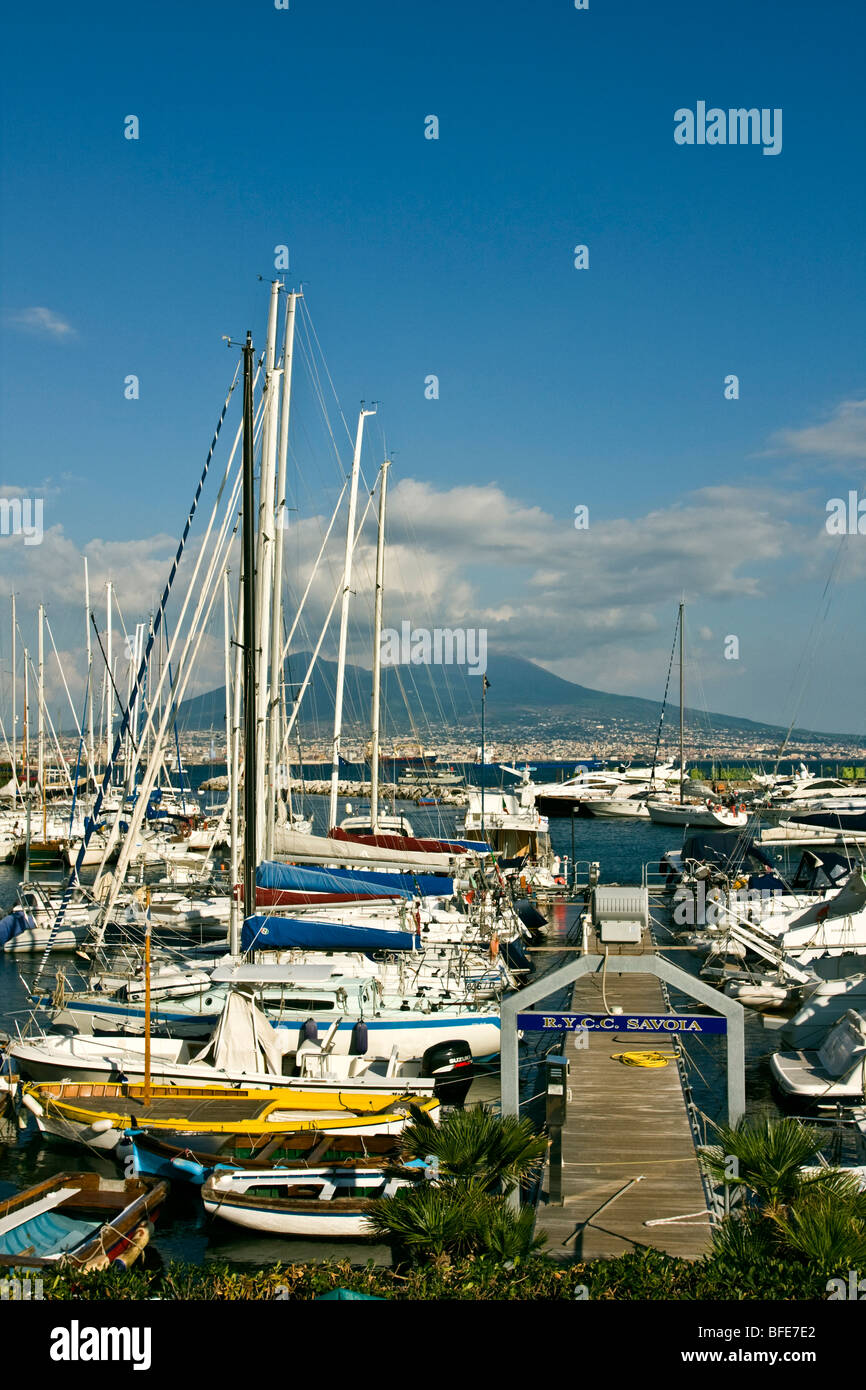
column 624, row 1122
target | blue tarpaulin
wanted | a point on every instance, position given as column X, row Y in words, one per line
column 284, row 933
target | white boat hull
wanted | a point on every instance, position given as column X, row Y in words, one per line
column 701, row 816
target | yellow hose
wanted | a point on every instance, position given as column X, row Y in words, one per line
column 640, row 1059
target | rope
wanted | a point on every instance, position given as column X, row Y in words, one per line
column 640, row 1059
column 126, row 721
column 664, row 701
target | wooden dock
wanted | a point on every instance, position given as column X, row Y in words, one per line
column 622, row 1123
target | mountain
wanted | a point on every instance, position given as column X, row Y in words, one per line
column 444, row 698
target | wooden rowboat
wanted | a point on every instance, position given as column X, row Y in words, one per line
column 81, row 1219
column 154, row 1157
column 328, row 1199
column 209, row 1119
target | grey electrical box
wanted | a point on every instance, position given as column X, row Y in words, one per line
column 620, row 914
column 557, row 1078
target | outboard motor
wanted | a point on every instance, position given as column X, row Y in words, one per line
column 450, row 1063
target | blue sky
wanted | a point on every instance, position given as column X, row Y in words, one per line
column 454, row 257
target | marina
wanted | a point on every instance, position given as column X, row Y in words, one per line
column 624, row 1121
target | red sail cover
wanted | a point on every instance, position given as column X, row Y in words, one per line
column 407, row 842
column 288, row 897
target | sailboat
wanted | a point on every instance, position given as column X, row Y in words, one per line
column 691, row 812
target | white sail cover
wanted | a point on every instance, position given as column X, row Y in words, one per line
column 243, row 1040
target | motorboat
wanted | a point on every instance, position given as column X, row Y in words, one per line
column 835, row 1071
column 625, row 803
column 826, row 1003
column 701, row 814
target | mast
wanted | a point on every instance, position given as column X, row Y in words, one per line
column 264, row 566
column 90, row 749
column 230, row 778
column 40, row 716
column 377, row 653
column 234, row 813
column 109, row 688
column 249, row 637
column 344, row 616
column 682, row 669
column 27, row 762
column 275, row 698
column 146, row 1096
column 14, row 713
column 484, row 684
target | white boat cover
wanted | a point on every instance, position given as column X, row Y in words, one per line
column 243, row 1041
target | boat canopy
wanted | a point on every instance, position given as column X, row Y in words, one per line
column 819, row 869
column 724, row 848
column 298, row 878
column 283, row 933
column 258, row 974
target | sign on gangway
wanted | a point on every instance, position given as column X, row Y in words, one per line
column 621, row 1023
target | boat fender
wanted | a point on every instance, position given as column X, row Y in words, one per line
column 494, row 947
column 137, row 1242
column 310, row 1031
column 360, row 1039
column 32, row 1104
column 189, row 1168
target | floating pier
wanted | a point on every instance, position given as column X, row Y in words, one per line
column 628, row 1151
column 623, row 1171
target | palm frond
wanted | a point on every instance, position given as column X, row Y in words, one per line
column 495, row 1152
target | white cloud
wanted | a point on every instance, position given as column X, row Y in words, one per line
column 840, row 437
column 597, row 606
column 43, row 321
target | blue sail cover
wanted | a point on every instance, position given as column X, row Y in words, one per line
column 284, row 933
column 292, row 877
column 14, row 924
